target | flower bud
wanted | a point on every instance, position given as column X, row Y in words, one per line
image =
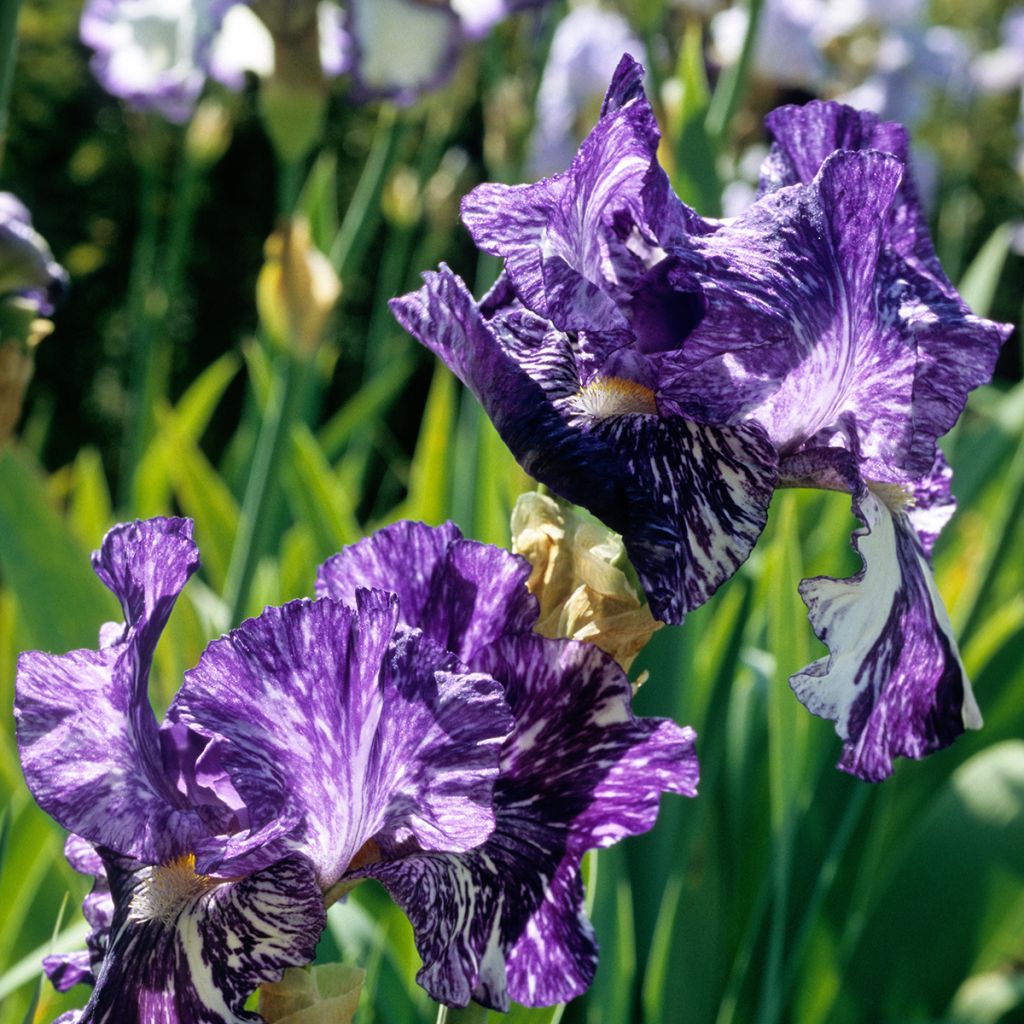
column 583, row 594
column 296, row 290
column 209, row 133
column 322, row 994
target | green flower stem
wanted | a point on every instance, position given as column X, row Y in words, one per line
column 142, row 305
column 733, row 82
column 161, row 282
column 472, row 1014
column 8, row 50
column 363, row 211
column 263, row 487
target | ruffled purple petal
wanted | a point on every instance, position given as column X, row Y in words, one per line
column 803, row 268
column 87, row 736
column 189, row 950
column 344, row 729
column 893, row 681
column 66, row 970
column 462, row 594
column 574, row 243
column 578, row 772
column 954, row 350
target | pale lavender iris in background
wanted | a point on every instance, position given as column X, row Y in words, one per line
column 587, row 45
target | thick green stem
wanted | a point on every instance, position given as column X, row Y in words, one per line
column 144, row 317
column 264, row 482
column 8, row 50
column 731, row 85
column 472, row 1014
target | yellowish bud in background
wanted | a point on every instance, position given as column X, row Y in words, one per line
column 323, row 994
column 582, row 592
column 21, row 329
column 296, row 290
column 209, row 132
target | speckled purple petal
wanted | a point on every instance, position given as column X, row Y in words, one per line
column 804, row 137
column 570, row 242
column 579, row 771
column 196, row 959
column 690, row 500
column 697, row 499
column 338, row 722
column 461, row 593
column 804, row 265
column 955, row 350
column 86, row 733
column 893, row 681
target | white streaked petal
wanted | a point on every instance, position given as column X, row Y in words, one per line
column 893, row 682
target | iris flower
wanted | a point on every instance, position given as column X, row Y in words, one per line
column 668, row 372
column 579, row 771
column 299, row 738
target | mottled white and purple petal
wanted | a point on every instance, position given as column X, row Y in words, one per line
column 401, row 64
column 893, row 681
column 805, row 266
column 461, row 593
column 689, row 499
column 65, row 970
column 185, row 949
column 953, row 350
column 697, row 499
column 153, row 53
column 574, row 244
column 345, row 728
column 506, row 921
column 87, row 735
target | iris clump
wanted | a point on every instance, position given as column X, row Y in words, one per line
column 669, row 372
column 407, row 725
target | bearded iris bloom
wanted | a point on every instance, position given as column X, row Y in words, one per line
column 300, row 739
column 668, row 372
column 506, row 920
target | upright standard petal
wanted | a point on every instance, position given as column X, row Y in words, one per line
column 575, row 244
column 461, row 593
column 893, row 681
column 86, row 732
column 953, row 350
column 347, row 729
column 578, row 772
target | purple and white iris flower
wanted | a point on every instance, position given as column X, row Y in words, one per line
column 27, row 267
column 301, row 738
column 668, row 373
column 505, row 920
